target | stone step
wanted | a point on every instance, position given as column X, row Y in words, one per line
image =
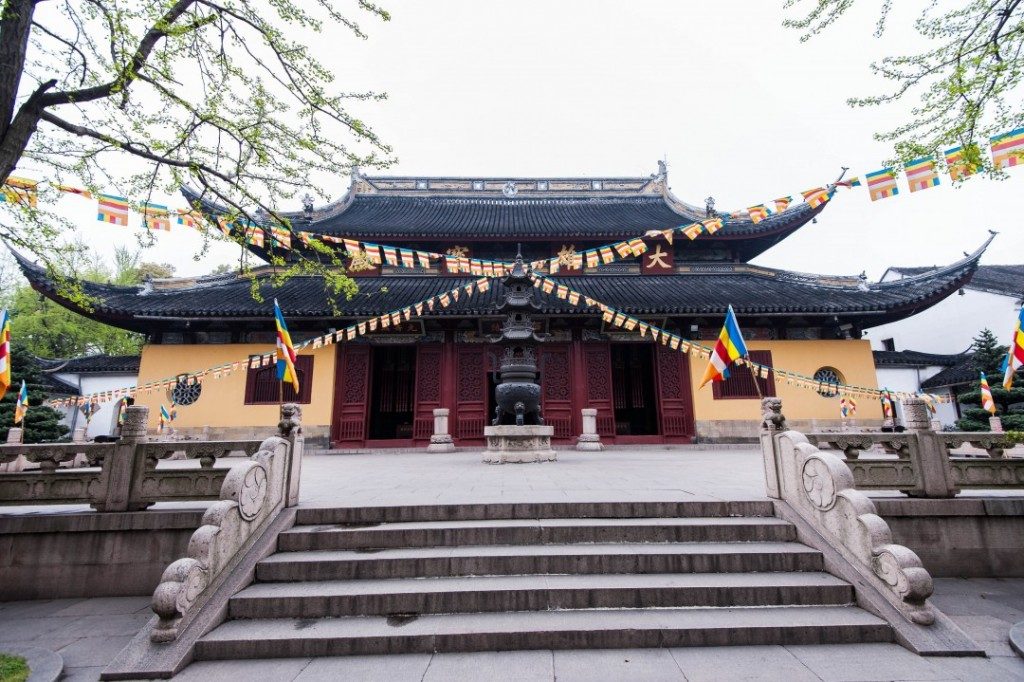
column 535, row 593
column 566, row 629
column 537, row 531
column 532, row 510
column 696, row 557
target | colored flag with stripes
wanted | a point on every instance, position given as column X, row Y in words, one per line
column 1015, row 356
column 1008, row 149
column 280, row 236
column 957, row 164
column 882, row 184
column 815, row 197
column 849, row 184
column 921, row 173
column 712, row 225
column 165, row 419
column 286, row 355
column 623, row 249
column 254, row 235
column 987, row 403
column 156, row 217
column 5, row 352
column 20, row 191
column 112, row 209
column 189, row 218
column 606, row 254
column 21, row 407
column 887, row 404
column 693, row 231
column 782, row 203
column 71, row 189
column 757, row 213
column 729, row 348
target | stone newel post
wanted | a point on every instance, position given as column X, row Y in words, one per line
column 441, row 440
column 995, row 424
column 124, row 466
column 15, row 434
column 915, row 415
column 290, row 428
column 589, row 439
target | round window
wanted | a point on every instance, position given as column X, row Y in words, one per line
column 830, row 378
column 186, row 391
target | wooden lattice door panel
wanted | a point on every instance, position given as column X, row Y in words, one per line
column 470, row 392
column 351, row 394
column 675, row 397
column 556, row 388
column 597, row 368
column 428, row 389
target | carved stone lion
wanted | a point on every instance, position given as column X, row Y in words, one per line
column 771, row 414
column 291, row 420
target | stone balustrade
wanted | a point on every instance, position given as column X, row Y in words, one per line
column 816, row 491
column 921, row 463
column 120, row 476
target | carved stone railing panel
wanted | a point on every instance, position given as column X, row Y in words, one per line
column 883, row 474
column 819, row 487
column 987, row 473
column 251, row 496
column 207, row 452
column 125, row 476
column 995, row 444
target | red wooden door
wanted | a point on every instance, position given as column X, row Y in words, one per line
column 351, row 395
column 597, row 362
column 470, row 414
column 675, row 399
column 428, row 389
column 556, row 393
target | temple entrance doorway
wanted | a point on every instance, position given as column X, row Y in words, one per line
column 633, row 389
column 392, row 392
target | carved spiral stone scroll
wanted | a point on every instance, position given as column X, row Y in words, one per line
column 818, row 484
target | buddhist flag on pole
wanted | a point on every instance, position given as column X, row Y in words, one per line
column 882, row 184
column 921, row 173
column 5, row 352
column 957, row 166
column 21, row 407
column 1015, row 357
column 112, row 209
column 729, row 348
column 886, row 397
column 987, row 403
column 285, row 351
column 165, row 418
column 1008, row 149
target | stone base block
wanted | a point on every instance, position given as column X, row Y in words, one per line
column 441, row 444
column 589, row 442
column 519, row 444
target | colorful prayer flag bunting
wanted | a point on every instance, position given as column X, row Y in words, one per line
column 20, row 191
column 816, row 197
column 882, row 184
column 70, row 189
column 782, row 203
column 156, row 217
column 1008, row 149
column 112, row 209
column 21, row 407
column 758, row 213
column 957, row 165
column 693, row 231
column 921, row 173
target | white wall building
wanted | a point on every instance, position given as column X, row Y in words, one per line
column 92, row 374
column 928, row 351
column 991, row 300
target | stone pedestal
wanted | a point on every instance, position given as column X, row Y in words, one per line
column 80, row 460
column 589, row 440
column 441, row 440
column 517, row 444
column 14, row 437
column 995, row 424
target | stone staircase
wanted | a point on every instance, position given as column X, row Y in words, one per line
column 537, row 576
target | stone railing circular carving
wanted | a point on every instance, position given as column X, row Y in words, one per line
column 246, row 485
column 818, row 484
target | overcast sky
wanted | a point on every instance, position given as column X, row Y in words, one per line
column 739, row 107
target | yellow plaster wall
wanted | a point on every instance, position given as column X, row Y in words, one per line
column 222, row 402
column 852, row 358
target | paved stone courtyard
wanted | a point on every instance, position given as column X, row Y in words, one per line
column 89, row 632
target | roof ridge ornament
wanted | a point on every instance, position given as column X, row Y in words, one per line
column 510, row 190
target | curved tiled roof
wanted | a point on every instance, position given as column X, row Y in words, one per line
column 753, row 292
column 93, row 364
column 997, row 279
column 913, row 358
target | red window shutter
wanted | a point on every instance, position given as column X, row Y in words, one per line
column 263, row 388
column 740, row 383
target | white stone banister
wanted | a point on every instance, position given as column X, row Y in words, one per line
column 252, row 496
column 819, row 488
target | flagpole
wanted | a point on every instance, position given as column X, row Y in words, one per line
column 757, row 384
